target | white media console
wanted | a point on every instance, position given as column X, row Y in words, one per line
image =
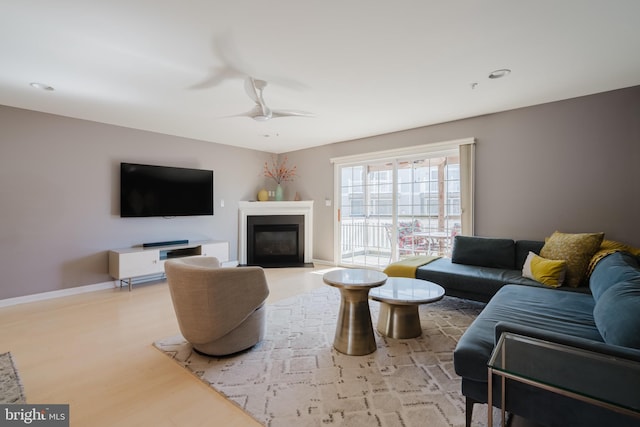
column 127, row 263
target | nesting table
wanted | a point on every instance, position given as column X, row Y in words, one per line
column 606, row 381
column 399, row 300
column 354, row 331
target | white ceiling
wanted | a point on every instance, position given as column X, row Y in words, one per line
column 362, row 67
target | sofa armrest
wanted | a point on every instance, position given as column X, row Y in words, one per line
column 572, row 341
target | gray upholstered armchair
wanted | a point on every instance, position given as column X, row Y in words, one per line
column 220, row 310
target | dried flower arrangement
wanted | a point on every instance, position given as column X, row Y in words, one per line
column 279, row 172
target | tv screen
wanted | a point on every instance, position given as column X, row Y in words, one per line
column 147, row 190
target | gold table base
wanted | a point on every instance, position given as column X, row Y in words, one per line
column 354, row 331
column 399, row 321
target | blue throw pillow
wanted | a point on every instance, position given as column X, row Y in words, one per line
column 484, row 252
column 612, row 269
column 617, row 315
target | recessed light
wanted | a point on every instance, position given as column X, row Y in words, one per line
column 42, row 86
column 498, row 74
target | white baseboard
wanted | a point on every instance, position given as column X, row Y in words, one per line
column 323, row 262
column 58, row 294
column 95, row 287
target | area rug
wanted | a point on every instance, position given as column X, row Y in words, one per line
column 295, row 377
column 11, row 390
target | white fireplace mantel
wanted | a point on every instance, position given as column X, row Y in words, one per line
column 246, row 209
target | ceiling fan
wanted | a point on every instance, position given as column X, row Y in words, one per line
column 261, row 112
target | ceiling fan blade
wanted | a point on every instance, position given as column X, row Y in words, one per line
column 254, row 88
column 251, row 89
column 291, row 113
column 261, row 112
column 216, row 76
column 258, row 113
column 251, row 113
column 226, row 50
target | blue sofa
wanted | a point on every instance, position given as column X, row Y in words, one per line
column 480, row 266
column 603, row 317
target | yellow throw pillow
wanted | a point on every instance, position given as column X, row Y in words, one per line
column 576, row 249
column 549, row 272
column 607, row 247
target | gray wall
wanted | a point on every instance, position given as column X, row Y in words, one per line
column 570, row 166
column 59, row 192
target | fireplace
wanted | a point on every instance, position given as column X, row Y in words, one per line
column 275, row 240
column 284, row 233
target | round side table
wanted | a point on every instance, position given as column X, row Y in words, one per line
column 354, row 331
column 399, row 300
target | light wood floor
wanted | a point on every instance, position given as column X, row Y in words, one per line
column 94, row 351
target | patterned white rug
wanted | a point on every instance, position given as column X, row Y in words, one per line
column 296, row 377
column 11, row 391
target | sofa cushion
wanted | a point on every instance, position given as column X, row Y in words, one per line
column 473, row 282
column 577, row 249
column 470, row 281
column 541, row 308
column 484, row 252
column 612, row 269
column 549, row 272
column 617, row 315
column 523, row 247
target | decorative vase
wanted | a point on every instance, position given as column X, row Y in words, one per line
column 279, row 193
column 263, row 195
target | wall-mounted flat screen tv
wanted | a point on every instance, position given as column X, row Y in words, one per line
column 148, row 190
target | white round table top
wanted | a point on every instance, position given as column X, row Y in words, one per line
column 354, row 278
column 403, row 290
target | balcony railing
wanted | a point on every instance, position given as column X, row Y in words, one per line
column 367, row 241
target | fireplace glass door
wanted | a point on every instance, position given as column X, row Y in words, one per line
column 275, row 240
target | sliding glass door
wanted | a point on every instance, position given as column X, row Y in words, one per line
column 400, row 207
column 366, row 213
